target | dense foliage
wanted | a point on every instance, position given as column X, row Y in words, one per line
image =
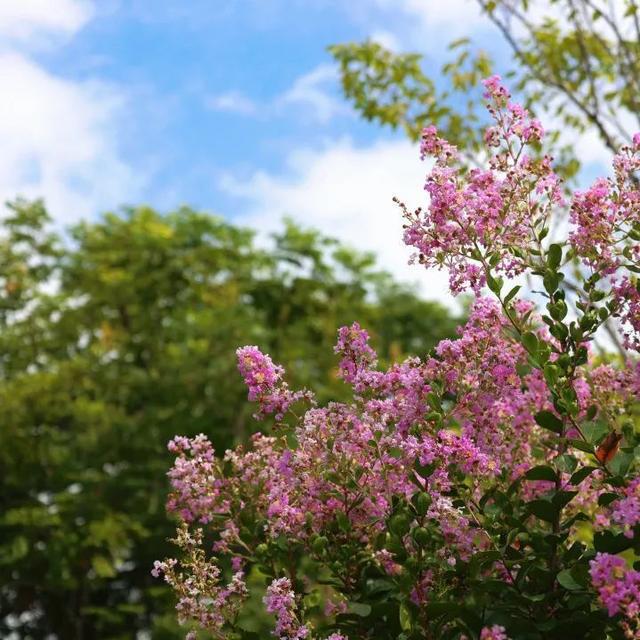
column 489, row 490
column 112, row 339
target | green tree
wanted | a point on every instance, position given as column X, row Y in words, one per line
column 117, row 337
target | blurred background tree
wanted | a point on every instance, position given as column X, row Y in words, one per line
column 117, row 337
column 577, row 61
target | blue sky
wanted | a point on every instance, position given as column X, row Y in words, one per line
column 201, row 87
column 232, row 106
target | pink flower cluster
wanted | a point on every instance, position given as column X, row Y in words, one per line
column 495, row 406
column 606, row 214
column 194, row 480
column 512, row 120
column 627, row 295
column 358, row 358
column 619, row 590
column 398, row 472
column 496, row 632
column 351, row 461
column 606, row 221
column 484, row 215
column 626, row 510
column 280, row 600
column 265, row 383
column 201, row 596
column 594, row 214
column 499, row 215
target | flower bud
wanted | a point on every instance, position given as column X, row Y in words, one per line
column 422, row 502
column 420, row 536
column 399, row 524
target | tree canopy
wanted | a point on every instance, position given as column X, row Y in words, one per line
column 118, row 335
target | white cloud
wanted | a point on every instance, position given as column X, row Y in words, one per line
column 387, row 39
column 59, row 137
column 57, row 140
column 232, row 102
column 455, row 16
column 27, row 19
column 310, row 95
column 419, row 24
column 312, row 91
column 346, row 191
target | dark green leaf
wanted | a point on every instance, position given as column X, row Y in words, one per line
column 567, row 581
column 542, row 509
column 554, row 256
column 548, row 420
column 581, row 474
column 541, row 472
column 530, row 342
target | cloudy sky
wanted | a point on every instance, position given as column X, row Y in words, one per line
column 232, row 106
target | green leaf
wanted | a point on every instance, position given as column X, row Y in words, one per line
column 448, row 609
column 554, row 256
column 621, row 463
column 566, row 580
column 605, row 499
column 562, row 498
column 103, row 567
column 595, row 431
column 530, row 342
column 16, row 550
column 512, row 294
column 551, row 373
column 551, row 282
column 483, row 558
column 425, row 471
column 608, row 542
column 542, row 472
column 343, row 521
column 542, row 509
column 581, row 474
column 581, row 445
column 313, row 599
column 494, row 284
column 361, row 609
column 406, row 622
column 379, row 585
column 567, row 463
column 550, row 421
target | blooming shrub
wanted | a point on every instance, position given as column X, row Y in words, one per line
column 489, row 491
